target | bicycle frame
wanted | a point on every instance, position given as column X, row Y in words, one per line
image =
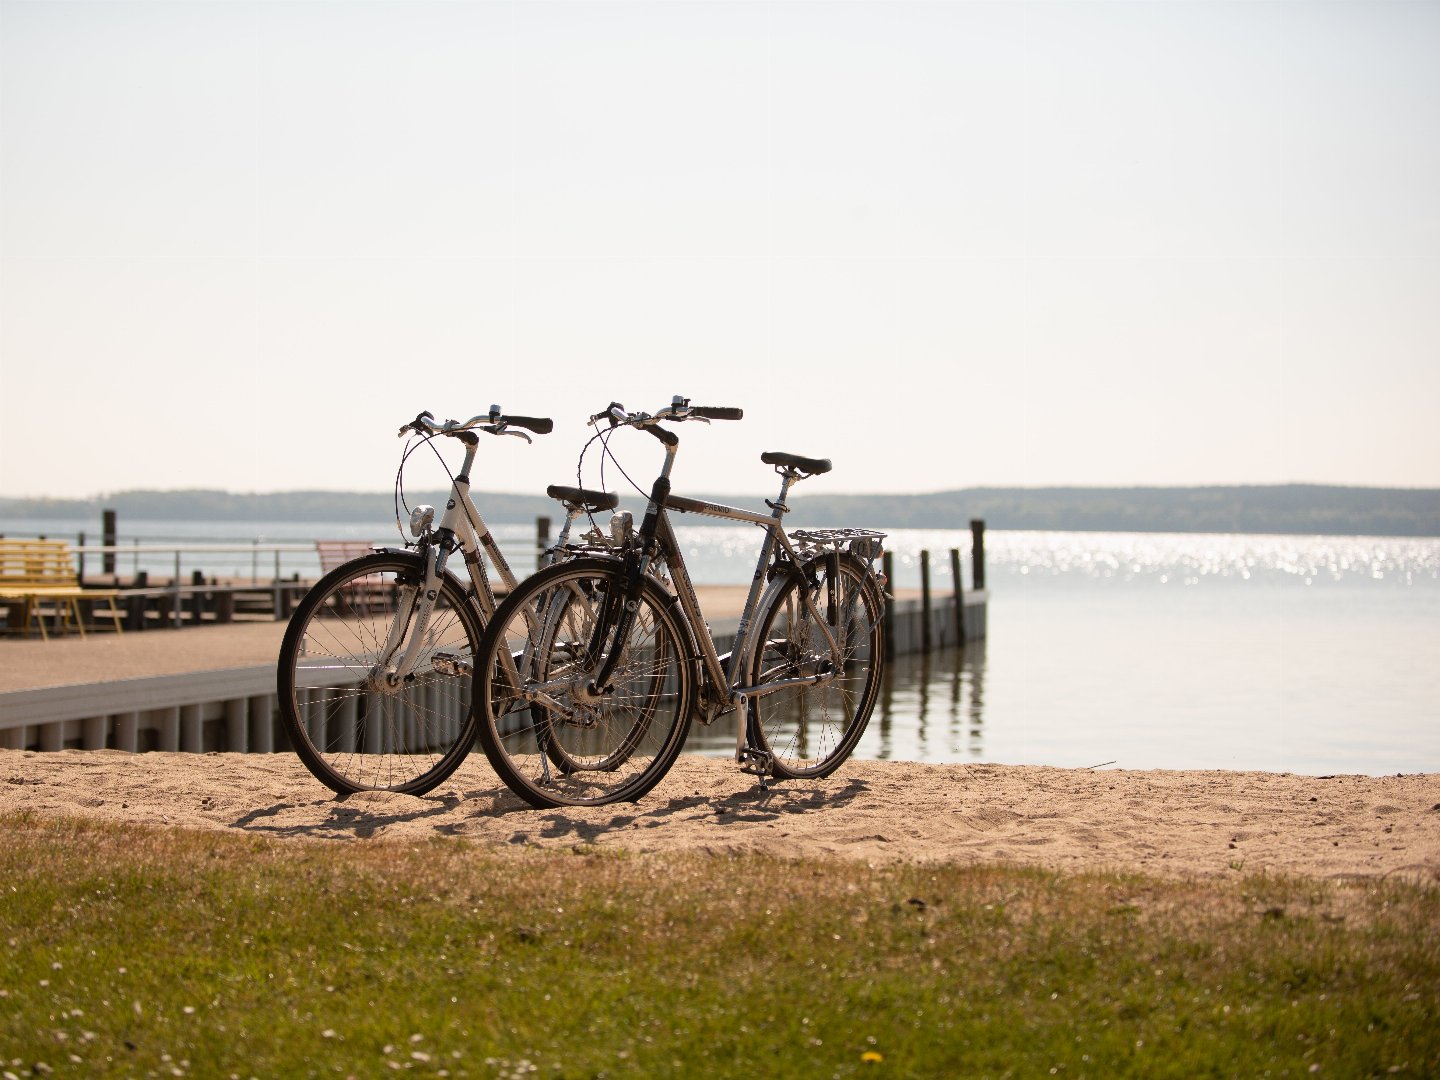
column 656, row 532
column 590, row 673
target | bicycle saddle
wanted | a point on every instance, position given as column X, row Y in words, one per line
column 813, row 466
column 584, row 498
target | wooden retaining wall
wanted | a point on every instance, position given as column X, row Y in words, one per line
column 233, row 709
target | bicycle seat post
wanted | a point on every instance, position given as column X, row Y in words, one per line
column 787, row 478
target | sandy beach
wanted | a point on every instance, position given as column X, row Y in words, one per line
column 1174, row 824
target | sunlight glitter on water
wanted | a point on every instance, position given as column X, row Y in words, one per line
column 1192, row 557
column 1283, row 653
column 726, row 555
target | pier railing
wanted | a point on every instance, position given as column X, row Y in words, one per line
column 208, row 580
column 205, row 580
column 145, row 558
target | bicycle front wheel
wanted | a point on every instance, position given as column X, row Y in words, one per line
column 356, row 721
column 553, row 735
column 810, row 730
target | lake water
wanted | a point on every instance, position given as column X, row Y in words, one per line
column 1313, row 655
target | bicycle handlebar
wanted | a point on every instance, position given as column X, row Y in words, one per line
column 680, row 409
column 494, row 422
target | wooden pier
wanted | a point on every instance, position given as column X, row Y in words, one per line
column 235, row 709
column 213, row 688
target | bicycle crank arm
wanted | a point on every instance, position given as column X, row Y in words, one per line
column 539, row 697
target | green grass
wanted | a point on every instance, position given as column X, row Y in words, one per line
column 137, row 952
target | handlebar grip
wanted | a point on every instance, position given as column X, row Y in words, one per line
column 717, row 412
column 540, row 425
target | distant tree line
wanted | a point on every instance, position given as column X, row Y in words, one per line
column 1287, row 508
column 210, row 505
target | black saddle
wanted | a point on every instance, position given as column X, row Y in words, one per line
column 584, row 498
column 813, row 466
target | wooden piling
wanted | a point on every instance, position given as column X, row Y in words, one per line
column 959, row 596
column 977, row 551
column 262, row 724
column 127, row 732
column 197, row 598
column 237, row 726
column 924, row 601
column 107, row 537
column 542, row 540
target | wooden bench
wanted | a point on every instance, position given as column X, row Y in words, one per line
column 38, row 577
column 364, row 593
column 335, row 553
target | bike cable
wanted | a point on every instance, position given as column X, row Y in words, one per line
column 603, row 436
column 402, row 508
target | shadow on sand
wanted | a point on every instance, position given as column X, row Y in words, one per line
column 359, row 817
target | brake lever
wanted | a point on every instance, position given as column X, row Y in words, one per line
column 417, row 425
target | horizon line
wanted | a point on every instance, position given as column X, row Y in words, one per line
column 531, row 493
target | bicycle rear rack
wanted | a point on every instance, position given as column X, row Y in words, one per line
column 862, row 543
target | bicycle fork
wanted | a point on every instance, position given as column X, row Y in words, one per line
column 408, row 628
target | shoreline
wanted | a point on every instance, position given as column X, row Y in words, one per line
column 1200, row 824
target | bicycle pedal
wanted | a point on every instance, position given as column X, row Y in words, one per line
column 451, row 665
column 756, row 762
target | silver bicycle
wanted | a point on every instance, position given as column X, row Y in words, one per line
column 590, row 672
column 375, row 672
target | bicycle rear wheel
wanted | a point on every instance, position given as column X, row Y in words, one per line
column 553, row 736
column 353, row 725
column 810, row 730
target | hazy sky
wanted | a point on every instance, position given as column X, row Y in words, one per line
column 944, row 244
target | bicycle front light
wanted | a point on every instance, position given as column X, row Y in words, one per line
column 421, row 519
column 621, row 527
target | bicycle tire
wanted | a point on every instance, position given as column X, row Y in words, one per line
column 809, row 731
column 565, row 744
column 352, row 729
